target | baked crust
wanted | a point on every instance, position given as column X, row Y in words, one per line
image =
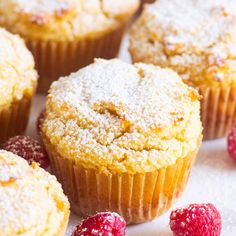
column 63, row 20
column 197, row 40
column 116, row 117
column 18, row 77
column 31, row 200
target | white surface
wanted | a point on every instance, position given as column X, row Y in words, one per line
column 213, row 179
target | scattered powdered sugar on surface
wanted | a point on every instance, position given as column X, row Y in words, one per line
column 43, row 6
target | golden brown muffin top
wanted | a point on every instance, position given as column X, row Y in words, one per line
column 17, row 75
column 196, row 38
column 31, row 200
column 113, row 116
column 63, row 20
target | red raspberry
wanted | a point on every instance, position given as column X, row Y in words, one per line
column 105, row 223
column 196, row 220
column 39, row 120
column 232, row 143
column 27, row 148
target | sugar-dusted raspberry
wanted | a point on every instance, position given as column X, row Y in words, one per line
column 232, row 143
column 105, row 223
column 196, row 220
column 39, row 120
column 28, row 148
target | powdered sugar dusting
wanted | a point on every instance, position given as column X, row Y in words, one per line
column 194, row 37
column 16, row 68
column 199, row 23
column 43, row 6
column 117, row 88
column 28, row 201
column 117, row 111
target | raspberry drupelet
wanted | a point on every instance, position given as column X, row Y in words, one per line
column 27, row 148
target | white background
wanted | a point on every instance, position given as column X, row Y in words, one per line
column 213, row 180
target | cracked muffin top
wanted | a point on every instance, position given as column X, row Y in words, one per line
column 198, row 40
column 31, row 200
column 116, row 117
column 64, row 19
column 17, row 75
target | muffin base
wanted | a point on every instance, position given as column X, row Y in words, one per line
column 138, row 198
column 218, row 111
column 55, row 59
column 14, row 119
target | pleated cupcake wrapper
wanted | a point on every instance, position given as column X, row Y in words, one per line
column 14, row 119
column 55, row 59
column 218, row 111
column 138, row 198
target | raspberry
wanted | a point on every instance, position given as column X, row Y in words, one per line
column 39, row 120
column 196, row 220
column 27, row 148
column 105, row 223
column 232, row 143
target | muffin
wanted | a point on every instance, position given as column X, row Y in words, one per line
column 65, row 35
column 122, row 138
column 31, row 200
column 199, row 42
column 18, row 81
